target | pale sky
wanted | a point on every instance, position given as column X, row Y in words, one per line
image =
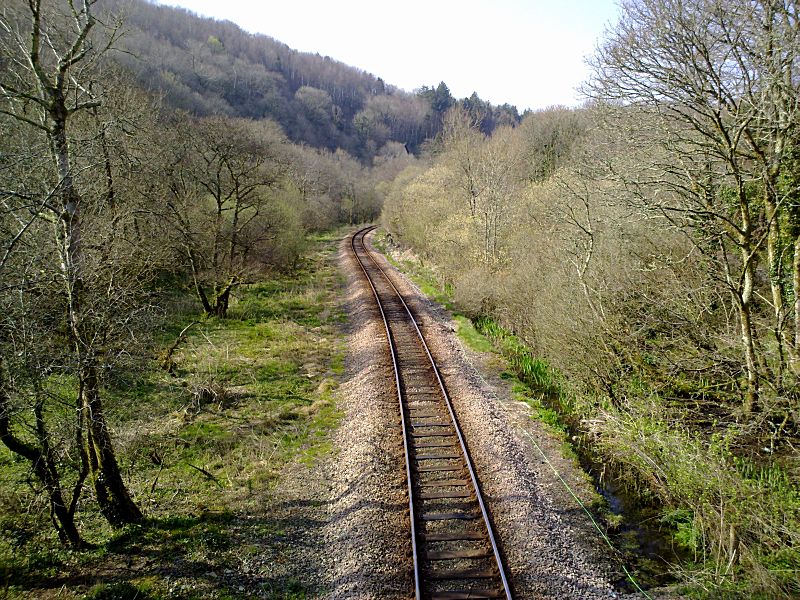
column 529, row 53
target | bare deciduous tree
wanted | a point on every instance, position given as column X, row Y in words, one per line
column 52, row 54
column 221, row 181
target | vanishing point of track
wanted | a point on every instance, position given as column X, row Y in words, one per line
column 455, row 551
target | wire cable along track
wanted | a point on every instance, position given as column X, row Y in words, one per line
column 455, row 552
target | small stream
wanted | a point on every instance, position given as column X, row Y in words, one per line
column 636, row 530
column 644, row 542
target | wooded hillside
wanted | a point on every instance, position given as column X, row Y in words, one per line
column 210, row 67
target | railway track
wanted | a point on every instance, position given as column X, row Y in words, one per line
column 455, row 551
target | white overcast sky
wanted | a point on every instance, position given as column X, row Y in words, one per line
column 529, row 53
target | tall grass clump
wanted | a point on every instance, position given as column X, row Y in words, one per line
column 530, row 369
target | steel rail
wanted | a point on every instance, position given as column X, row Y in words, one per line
column 443, row 389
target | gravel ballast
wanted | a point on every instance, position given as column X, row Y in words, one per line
column 367, row 533
column 551, row 547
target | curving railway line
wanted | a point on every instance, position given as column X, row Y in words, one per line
column 455, row 550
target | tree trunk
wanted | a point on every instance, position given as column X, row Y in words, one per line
column 115, row 502
column 198, row 287
column 795, row 351
column 223, row 299
column 744, row 297
column 748, row 341
column 775, row 267
column 112, row 495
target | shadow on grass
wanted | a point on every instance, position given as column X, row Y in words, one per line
column 218, row 555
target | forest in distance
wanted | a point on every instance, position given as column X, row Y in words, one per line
column 163, row 174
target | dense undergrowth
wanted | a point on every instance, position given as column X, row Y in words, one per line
column 203, row 449
column 734, row 521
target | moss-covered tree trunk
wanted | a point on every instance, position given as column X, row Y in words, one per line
column 796, row 290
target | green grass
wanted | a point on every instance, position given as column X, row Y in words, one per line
column 471, row 337
column 530, row 369
column 540, row 412
column 203, row 450
column 125, row 590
